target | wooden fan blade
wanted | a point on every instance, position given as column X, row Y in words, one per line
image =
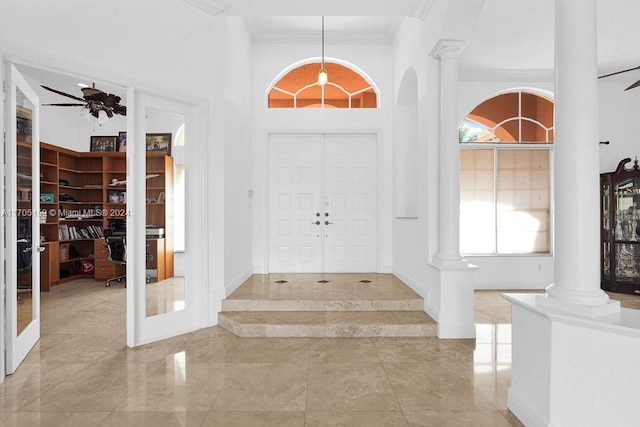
column 62, row 93
column 636, row 84
column 620, row 72
column 65, row 105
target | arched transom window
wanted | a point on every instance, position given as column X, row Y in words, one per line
column 299, row 88
column 510, row 117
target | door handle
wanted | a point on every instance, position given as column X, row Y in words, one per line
column 316, row 223
column 30, row 249
column 327, row 223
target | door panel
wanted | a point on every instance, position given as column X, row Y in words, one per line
column 295, row 201
column 22, row 204
column 350, row 193
column 333, row 176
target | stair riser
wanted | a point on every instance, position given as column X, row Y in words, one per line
column 322, row 305
column 323, row 330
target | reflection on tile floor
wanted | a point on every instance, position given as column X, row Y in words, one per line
column 165, row 296
column 81, row 373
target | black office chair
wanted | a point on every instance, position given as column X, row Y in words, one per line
column 116, row 253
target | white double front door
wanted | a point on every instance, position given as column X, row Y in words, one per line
column 322, row 203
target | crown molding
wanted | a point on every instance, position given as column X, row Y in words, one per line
column 289, row 38
column 313, row 37
column 505, row 75
column 421, row 9
column 212, row 7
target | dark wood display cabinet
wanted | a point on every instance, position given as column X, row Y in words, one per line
column 620, row 228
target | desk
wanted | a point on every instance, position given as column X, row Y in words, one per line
column 159, row 261
column 104, row 269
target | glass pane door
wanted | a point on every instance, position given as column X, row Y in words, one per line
column 165, row 265
column 22, row 220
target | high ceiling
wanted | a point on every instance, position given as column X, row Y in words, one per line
column 509, row 34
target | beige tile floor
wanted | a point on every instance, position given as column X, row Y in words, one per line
column 81, row 374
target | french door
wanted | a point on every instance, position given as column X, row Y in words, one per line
column 322, row 203
column 21, row 213
column 164, row 305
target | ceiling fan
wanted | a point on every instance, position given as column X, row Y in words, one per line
column 636, row 84
column 94, row 100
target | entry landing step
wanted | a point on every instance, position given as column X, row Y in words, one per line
column 328, row 323
column 406, row 304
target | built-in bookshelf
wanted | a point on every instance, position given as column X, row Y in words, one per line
column 80, row 192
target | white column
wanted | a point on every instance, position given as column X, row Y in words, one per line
column 576, row 284
column 449, row 162
column 455, row 319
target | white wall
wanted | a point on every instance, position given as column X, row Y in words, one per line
column 142, row 45
column 415, row 240
column 271, row 60
column 238, row 182
column 619, row 112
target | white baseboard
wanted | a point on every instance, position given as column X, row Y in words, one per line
column 512, row 286
column 235, row 283
column 421, row 290
column 217, row 295
column 456, row 332
column 524, row 414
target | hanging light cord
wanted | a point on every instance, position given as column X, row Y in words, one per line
column 322, row 75
column 323, row 42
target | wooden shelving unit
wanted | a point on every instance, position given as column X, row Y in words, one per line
column 79, row 184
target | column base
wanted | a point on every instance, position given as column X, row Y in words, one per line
column 455, row 319
column 588, row 304
column 451, row 262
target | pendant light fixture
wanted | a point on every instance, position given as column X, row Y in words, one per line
column 322, row 75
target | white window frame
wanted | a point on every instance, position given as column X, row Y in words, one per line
column 495, row 147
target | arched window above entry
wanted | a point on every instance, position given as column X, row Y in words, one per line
column 299, row 88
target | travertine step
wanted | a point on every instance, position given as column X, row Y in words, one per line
column 325, row 305
column 408, row 304
column 328, row 323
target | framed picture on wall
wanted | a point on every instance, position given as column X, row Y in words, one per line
column 103, row 143
column 122, row 141
column 159, row 142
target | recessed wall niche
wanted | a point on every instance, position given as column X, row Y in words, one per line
column 406, row 147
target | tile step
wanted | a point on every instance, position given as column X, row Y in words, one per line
column 412, row 304
column 328, row 323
